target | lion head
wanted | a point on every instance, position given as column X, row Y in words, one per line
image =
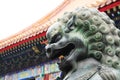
column 84, row 33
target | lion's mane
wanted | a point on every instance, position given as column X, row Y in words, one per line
column 100, row 35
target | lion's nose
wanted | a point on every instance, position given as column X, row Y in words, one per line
column 48, row 49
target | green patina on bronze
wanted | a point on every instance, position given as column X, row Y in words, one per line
column 92, row 34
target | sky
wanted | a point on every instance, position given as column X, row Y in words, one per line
column 15, row 15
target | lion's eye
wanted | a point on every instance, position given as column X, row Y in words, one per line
column 56, row 38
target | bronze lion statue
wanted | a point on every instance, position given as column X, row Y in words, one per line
column 87, row 44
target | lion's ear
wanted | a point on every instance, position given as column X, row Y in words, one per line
column 70, row 24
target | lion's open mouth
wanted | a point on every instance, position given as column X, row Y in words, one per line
column 65, row 51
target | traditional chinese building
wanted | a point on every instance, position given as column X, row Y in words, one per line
column 22, row 55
